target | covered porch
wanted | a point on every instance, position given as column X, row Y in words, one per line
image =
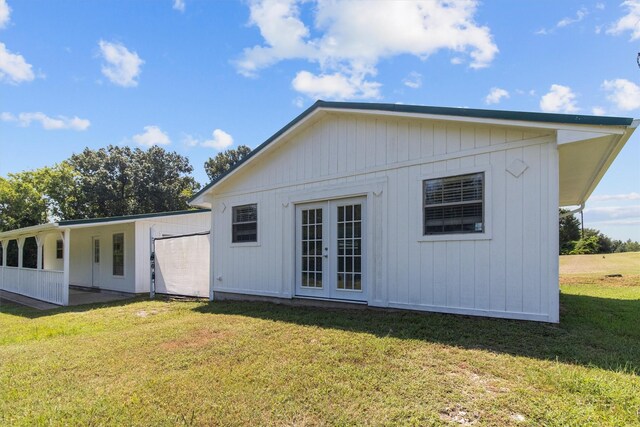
column 35, row 263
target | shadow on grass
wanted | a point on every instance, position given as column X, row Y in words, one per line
column 15, row 309
column 593, row 331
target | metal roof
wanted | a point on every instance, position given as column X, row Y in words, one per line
column 86, row 222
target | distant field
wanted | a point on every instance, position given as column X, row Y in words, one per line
column 624, row 263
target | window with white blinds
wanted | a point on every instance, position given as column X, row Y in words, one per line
column 454, row 204
column 244, row 224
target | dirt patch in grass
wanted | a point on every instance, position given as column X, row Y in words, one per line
column 459, row 415
column 196, row 339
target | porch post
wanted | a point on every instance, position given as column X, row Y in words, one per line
column 66, row 244
column 39, row 242
column 5, row 244
column 20, row 242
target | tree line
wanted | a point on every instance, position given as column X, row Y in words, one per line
column 111, row 181
column 573, row 241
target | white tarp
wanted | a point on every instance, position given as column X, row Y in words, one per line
column 182, row 265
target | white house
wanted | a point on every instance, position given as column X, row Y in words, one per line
column 106, row 253
column 451, row 210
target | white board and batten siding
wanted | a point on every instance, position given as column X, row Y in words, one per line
column 509, row 271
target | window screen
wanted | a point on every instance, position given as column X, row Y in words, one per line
column 245, row 224
column 454, row 204
column 118, row 254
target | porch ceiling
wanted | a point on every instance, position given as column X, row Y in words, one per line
column 584, row 158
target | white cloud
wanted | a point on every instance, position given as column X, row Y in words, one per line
column 348, row 47
column 600, row 6
column 564, row 22
column 495, row 95
column 580, row 15
column 13, row 67
column 7, row 117
column 623, row 222
column 220, row 140
column 5, row 13
column 607, row 197
column 413, row 80
column 629, row 22
column 152, row 135
column 335, row 86
column 178, row 5
column 189, row 140
column 298, row 102
column 559, row 99
column 598, row 111
column 623, row 93
column 608, row 213
column 122, row 66
column 48, row 123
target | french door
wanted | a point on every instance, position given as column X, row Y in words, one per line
column 330, row 249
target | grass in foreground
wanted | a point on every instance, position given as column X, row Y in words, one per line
column 192, row 363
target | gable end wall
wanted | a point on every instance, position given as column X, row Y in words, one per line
column 510, row 272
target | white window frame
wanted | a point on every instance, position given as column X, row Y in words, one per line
column 124, row 255
column 258, row 228
column 487, row 206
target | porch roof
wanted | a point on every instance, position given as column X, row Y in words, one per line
column 80, row 223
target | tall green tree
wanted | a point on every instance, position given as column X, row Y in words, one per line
column 569, row 232
column 222, row 162
column 117, row 181
column 57, row 185
column 21, row 203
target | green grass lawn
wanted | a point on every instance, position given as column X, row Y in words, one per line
column 191, row 363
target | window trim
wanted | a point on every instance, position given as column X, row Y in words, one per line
column 486, row 204
column 246, row 243
column 124, row 255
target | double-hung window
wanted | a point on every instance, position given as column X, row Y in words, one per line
column 454, row 204
column 244, row 224
column 118, row 254
column 59, row 249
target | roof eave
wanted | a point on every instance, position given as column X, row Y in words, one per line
column 608, row 160
column 496, row 117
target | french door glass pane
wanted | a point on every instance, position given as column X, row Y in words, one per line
column 349, row 235
column 311, row 236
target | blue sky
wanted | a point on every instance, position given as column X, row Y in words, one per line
column 199, row 76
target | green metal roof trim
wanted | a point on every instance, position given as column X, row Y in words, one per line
column 574, row 119
column 129, row 217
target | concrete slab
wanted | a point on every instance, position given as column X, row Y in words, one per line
column 26, row 301
column 81, row 297
column 76, row 297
